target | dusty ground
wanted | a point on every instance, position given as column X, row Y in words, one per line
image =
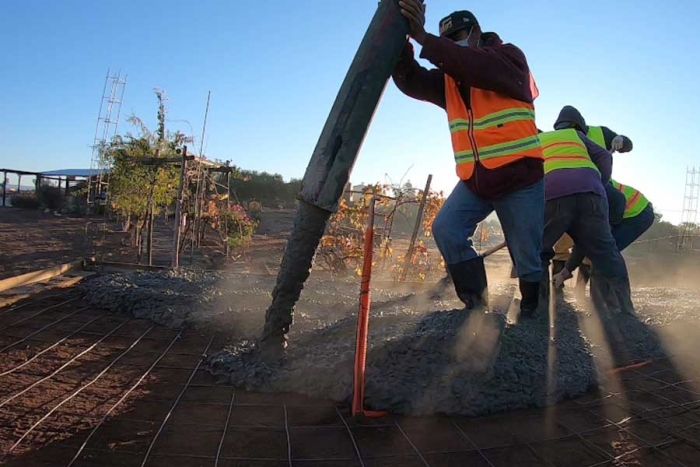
column 31, row 240
column 84, row 387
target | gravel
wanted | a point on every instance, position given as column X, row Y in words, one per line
column 424, row 357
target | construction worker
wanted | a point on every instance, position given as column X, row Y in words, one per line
column 487, row 91
column 576, row 170
column 570, row 117
column 638, row 217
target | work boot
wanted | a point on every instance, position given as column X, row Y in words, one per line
column 469, row 278
column 557, row 266
column 530, row 292
column 620, row 289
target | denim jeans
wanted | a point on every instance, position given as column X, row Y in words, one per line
column 616, row 204
column 630, row 229
column 521, row 214
column 584, row 216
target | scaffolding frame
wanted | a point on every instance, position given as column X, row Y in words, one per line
column 105, row 131
column 687, row 230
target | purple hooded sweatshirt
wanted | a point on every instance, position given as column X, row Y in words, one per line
column 564, row 182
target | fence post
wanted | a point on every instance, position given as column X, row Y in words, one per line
column 416, row 229
column 178, row 211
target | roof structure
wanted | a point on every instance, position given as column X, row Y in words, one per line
column 72, row 172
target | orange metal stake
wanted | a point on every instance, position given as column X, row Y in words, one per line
column 363, row 323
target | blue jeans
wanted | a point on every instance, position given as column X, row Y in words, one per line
column 584, row 216
column 630, row 229
column 522, row 217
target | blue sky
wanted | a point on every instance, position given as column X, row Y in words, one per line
column 274, row 68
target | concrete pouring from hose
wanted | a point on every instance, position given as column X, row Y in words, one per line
column 331, row 163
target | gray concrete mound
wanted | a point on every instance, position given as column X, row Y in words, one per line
column 424, row 356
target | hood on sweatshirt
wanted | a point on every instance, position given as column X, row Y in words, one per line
column 570, row 117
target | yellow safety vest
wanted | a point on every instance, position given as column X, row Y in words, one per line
column 636, row 201
column 563, row 149
column 595, row 133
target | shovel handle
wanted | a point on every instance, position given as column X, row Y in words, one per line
column 494, row 249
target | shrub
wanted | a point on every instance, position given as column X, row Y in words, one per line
column 25, row 202
column 50, row 197
column 239, row 225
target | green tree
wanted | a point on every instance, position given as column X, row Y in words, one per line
column 269, row 189
column 141, row 182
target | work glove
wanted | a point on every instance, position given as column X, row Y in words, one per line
column 560, row 277
column 617, row 143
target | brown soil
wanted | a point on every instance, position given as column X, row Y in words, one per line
column 103, row 389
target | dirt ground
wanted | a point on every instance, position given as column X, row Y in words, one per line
column 83, row 387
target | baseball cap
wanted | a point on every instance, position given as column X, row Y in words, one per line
column 457, row 21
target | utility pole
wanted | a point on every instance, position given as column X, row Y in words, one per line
column 416, row 228
column 178, row 211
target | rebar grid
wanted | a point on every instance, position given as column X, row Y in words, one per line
column 72, row 360
column 34, row 333
column 177, row 400
column 289, row 437
column 228, row 420
column 12, row 308
column 415, row 449
column 79, row 390
column 52, row 346
column 42, row 311
column 468, row 439
column 124, row 396
column 352, row 437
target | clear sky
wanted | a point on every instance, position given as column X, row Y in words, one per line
column 274, row 68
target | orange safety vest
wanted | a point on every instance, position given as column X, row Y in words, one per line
column 495, row 131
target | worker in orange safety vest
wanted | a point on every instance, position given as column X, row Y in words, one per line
column 486, row 89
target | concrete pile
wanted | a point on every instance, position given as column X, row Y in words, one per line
column 424, row 356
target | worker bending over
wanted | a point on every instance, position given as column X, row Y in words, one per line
column 638, row 217
column 576, row 170
column 486, row 89
column 570, row 117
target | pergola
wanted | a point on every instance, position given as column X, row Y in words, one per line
column 64, row 177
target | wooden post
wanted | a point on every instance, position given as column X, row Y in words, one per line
column 228, row 206
column 19, row 184
column 149, row 239
column 4, row 190
column 178, row 212
column 416, row 229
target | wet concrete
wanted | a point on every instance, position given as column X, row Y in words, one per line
column 424, row 356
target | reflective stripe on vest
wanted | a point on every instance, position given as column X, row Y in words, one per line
column 563, row 149
column 595, row 133
column 496, row 130
column 636, row 201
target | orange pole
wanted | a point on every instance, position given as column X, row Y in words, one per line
column 363, row 322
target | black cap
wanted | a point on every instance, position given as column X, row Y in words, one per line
column 456, row 22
